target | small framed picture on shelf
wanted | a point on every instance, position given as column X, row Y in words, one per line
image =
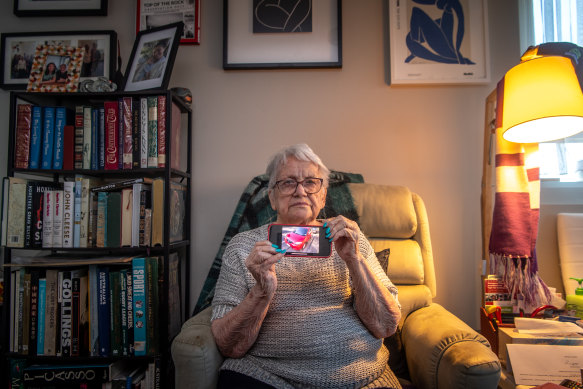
column 55, row 69
column 150, row 64
column 60, row 8
column 17, row 54
column 153, row 13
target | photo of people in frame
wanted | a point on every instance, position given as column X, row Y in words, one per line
column 152, row 60
column 22, row 56
column 55, row 69
column 93, row 58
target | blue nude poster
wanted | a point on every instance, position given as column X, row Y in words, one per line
column 438, row 41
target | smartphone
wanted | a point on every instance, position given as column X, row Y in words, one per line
column 300, row 240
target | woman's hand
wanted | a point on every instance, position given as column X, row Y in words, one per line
column 261, row 264
column 345, row 234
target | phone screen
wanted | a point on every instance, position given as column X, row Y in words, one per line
column 300, row 240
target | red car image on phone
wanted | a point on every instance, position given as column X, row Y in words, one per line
column 298, row 238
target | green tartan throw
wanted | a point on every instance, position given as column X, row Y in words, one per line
column 254, row 210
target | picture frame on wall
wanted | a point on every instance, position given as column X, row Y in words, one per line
column 437, row 45
column 60, row 8
column 18, row 50
column 153, row 13
column 56, row 69
column 256, row 36
column 150, row 64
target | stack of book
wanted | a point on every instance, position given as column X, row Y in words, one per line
column 86, row 213
column 129, row 133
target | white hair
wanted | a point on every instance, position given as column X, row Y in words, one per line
column 301, row 152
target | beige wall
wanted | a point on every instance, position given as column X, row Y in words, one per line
column 426, row 137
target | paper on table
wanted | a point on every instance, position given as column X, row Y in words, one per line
column 536, row 364
column 546, row 327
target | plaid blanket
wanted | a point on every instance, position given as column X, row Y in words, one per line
column 254, row 210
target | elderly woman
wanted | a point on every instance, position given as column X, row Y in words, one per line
column 301, row 322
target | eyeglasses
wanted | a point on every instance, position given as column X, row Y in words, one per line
column 288, row 186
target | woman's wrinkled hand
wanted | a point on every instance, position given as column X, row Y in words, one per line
column 344, row 233
column 261, row 264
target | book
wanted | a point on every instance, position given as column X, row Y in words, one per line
column 48, row 213
column 86, row 184
column 157, row 212
column 4, row 225
column 40, row 338
column 86, row 137
column 178, row 211
column 65, row 374
column 51, row 312
column 136, row 141
column 75, row 312
column 28, row 215
column 68, row 147
column 17, row 366
column 22, row 134
column 103, row 310
column 127, row 132
column 35, row 275
column 137, row 211
column 66, row 313
column 93, row 311
column 100, row 240
column 115, row 312
column 120, row 133
column 130, row 310
column 152, row 298
column 77, row 211
column 94, row 138
column 58, row 218
column 92, row 233
column 101, row 137
column 161, row 131
column 113, row 220
column 16, row 212
column 152, row 131
column 117, row 185
column 68, row 213
column 18, row 306
column 26, row 313
column 36, row 136
column 147, row 227
column 127, row 207
column 174, row 303
column 143, row 132
column 48, row 137
column 139, row 295
column 123, row 311
column 39, row 188
column 111, row 135
column 79, row 137
column 496, row 293
column 174, row 138
column 59, row 137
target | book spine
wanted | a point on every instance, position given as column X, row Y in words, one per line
column 59, row 139
column 86, row 137
column 139, row 294
column 101, row 137
column 113, row 220
column 86, row 375
column 28, row 222
column 101, row 218
column 18, row 305
column 40, row 338
column 83, row 313
column 69, row 147
column 145, row 203
column 48, row 213
column 152, row 305
column 16, row 213
column 48, row 137
column 136, row 134
column 92, row 233
column 94, row 138
column 26, row 314
column 173, row 137
column 103, row 310
column 111, row 135
column 51, row 313
column 162, row 131
column 66, row 313
column 130, row 310
column 34, row 302
column 120, row 133
column 158, row 212
column 79, row 137
column 75, row 314
column 23, row 129
column 125, row 347
column 58, row 218
column 93, row 311
column 58, row 346
column 77, row 212
column 152, row 131
column 84, row 226
column 68, row 213
column 36, row 129
column 136, row 194
column 127, row 133
column 144, row 132
column 126, row 216
column 115, row 313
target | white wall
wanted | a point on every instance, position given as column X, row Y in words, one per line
column 426, row 137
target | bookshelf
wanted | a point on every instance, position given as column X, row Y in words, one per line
column 159, row 229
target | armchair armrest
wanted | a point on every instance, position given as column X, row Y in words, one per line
column 444, row 352
column 195, row 354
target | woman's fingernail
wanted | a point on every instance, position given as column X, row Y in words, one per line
column 274, row 246
column 328, row 236
column 325, row 224
column 328, row 230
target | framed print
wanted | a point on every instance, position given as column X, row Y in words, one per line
column 60, row 7
column 56, row 69
column 17, row 52
column 150, row 64
column 153, row 13
column 296, row 34
column 441, row 42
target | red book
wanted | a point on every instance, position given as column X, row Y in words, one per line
column 23, row 120
column 127, row 133
column 162, row 131
column 69, row 147
column 111, row 135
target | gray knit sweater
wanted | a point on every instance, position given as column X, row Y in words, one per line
column 312, row 336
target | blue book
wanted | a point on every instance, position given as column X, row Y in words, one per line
column 48, row 135
column 103, row 310
column 94, row 138
column 101, row 137
column 139, row 295
column 40, row 333
column 77, row 212
column 36, row 137
column 59, row 138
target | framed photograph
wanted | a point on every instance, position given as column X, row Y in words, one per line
column 153, row 13
column 17, row 53
column 60, row 7
column 257, row 35
column 439, row 43
column 56, row 69
column 150, row 64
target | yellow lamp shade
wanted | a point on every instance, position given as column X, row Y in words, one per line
column 542, row 101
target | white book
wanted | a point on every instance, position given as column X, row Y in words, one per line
column 68, row 212
column 127, row 200
column 48, row 213
column 143, row 132
column 86, row 137
column 84, row 231
column 58, row 218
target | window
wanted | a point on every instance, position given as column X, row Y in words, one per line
column 555, row 21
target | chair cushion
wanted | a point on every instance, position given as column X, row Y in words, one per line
column 406, row 264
